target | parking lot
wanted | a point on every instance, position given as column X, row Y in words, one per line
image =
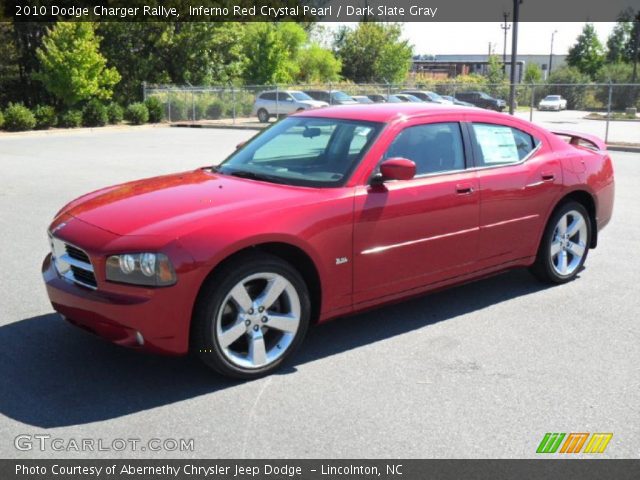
column 481, row 370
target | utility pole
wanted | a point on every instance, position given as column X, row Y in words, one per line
column 505, row 26
column 514, row 54
column 551, row 53
column 636, row 43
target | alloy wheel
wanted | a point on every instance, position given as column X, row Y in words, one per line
column 569, row 243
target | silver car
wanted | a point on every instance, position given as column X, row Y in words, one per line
column 283, row 102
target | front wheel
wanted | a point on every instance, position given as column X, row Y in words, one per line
column 565, row 244
column 251, row 316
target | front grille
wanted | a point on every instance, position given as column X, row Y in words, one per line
column 77, row 254
column 72, row 263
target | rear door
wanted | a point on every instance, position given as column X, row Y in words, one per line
column 519, row 179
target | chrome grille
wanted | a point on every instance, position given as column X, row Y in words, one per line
column 72, row 263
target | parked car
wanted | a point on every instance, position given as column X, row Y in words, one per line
column 379, row 98
column 405, row 97
column 282, row 102
column 427, row 96
column 552, row 102
column 483, row 100
column 330, row 211
column 455, row 101
column 362, row 99
column 332, row 97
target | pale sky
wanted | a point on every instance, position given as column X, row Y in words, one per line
column 474, row 37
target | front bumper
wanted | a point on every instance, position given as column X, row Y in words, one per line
column 148, row 319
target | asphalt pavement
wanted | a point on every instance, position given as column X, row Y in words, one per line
column 481, row 370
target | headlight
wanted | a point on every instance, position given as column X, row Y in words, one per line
column 148, row 269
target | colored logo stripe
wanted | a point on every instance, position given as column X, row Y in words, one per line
column 550, row 443
column 598, row 442
column 574, row 443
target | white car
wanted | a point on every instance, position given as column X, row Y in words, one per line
column 552, row 102
column 283, row 102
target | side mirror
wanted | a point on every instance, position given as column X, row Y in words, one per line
column 397, row 169
column 240, row 145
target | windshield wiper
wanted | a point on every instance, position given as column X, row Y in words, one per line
column 255, row 176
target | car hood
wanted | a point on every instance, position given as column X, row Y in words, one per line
column 161, row 205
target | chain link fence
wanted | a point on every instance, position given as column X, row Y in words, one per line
column 607, row 110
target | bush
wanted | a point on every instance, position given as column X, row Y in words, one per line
column 178, row 109
column 215, row 109
column 115, row 113
column 17, row 117
column 94, row 114
column 137, row 113
column 155, row 108
column 70, row 119
column 45, row 116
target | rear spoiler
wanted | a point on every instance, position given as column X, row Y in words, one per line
column 582, row 139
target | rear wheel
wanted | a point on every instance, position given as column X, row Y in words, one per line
column 263, row 115
column 251, row 316
column 565, row 244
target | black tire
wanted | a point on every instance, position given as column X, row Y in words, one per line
column 205, row 343
column 263, row 116
column 543, row 268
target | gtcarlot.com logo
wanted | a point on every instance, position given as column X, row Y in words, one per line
column 574, row 442
column 45, row 442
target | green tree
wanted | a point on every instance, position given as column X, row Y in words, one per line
column 576, row 95
column 374, row 52
column 318, row 64
column 495, row 74
column 618, row 41
column 587, row 54
column 532, row 73
column 271, row 51
column 621, row 97
column 72, row 67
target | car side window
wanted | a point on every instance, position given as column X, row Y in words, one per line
column 434, row 147
column 502, row 145
column 268, row 96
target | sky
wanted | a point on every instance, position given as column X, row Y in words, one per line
column 473, row 37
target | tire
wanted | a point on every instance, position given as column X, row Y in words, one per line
column 263, row 116
column 561, row 256
column 233, row 334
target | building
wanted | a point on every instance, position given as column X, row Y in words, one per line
column 450, row 66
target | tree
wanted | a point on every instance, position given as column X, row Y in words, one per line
column 374, row 52
column 587, row 55
column 618, row 40
column 72, row 67
column 271, row 50
column 318, row 64
column 621, row 97
column 576, row 95
column 532, row 73
column 495, row 74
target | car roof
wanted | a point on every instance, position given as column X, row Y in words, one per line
column 387, row 112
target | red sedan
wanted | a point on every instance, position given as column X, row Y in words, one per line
column 326, row 213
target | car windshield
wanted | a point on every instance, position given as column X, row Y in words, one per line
column 341, row 96
column 301, row 96
column 485, row 96
column 552, row 98
column 434, row 96
column 306, row 151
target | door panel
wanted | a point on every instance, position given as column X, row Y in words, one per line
column 411, row 233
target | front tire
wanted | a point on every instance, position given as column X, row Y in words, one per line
column 251, row 315
column 565, row 244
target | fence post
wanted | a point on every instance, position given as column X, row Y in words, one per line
column 144, row 91
column 193, row 106
column 277, row 102
column 233, row 100
column 533, row 93
column 606, row 133
column 169, row 103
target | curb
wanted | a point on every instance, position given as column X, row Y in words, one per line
column 68, row 131
column 623, row 148
column 219, row 126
